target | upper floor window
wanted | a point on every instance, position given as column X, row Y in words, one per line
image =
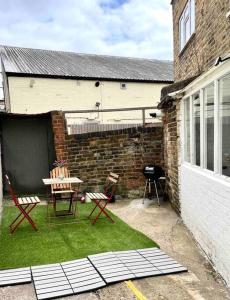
column 187, row 23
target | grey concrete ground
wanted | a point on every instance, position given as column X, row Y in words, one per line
column 165, row 227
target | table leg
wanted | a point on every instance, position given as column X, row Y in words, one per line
column 71, row 202
column 54, row 204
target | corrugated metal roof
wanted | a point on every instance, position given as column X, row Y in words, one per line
column 70, row 64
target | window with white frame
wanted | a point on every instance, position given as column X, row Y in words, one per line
column 224, row 106
column 187, row 23
column 209, row 127
column 187, row 129
column 206, row 124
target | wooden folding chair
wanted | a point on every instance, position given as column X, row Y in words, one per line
column 102, row 199
column 25, row 205
column 61, row 190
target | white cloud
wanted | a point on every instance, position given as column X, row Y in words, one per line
column 115, row 27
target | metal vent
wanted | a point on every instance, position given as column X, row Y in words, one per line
column 123, row 86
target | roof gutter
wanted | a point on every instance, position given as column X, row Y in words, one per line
column 173, row 92
column 177, row 94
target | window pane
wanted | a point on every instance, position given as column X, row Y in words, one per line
column 192, row 15
column 186, row 11
column 181, row 33
column 209, row 126
column 187, row 130
column 187, row 23
column 196, row 124
column 225, row 123
column 187, row 29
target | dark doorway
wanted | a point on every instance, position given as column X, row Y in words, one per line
column 27, row 151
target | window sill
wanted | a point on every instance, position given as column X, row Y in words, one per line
column 205, row 172
column 187, row 44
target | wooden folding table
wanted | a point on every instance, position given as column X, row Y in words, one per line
column 66, row 180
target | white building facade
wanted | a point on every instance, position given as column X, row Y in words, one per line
column 38, row 81
column 204, row 172
column 33, row 95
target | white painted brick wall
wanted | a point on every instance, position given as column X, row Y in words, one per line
column 205, row 209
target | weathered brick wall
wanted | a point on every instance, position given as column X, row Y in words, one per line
column 211, row 38
column 92, row 156
column 171, row 154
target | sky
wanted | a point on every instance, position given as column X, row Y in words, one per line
column 133, row 28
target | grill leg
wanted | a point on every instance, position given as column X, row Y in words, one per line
column 150, row 192
column 158, row 200
column 161, row 187
column 143, row 201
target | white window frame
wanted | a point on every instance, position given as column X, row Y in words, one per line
column 193, row 129
column 188, row 15
column 211, row 77
column 184, row 129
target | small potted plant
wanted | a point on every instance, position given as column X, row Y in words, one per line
column 60, row 163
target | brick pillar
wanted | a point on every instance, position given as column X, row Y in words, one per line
column 171, row 154
column 60, row 134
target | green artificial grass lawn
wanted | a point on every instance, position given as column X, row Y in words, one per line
column 51, row 244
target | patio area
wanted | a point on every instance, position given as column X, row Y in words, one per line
column 163, row 226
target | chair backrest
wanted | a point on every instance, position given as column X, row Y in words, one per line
column 11, row 191
column 111, row 185
column 59, row 172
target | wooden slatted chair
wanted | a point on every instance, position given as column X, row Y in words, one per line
column 25, row 205
column 102, row 199
column 63, row 189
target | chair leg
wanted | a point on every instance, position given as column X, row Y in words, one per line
column 102, row 210
column 96, row 205
column 25, row 215
column 12, row 223
column 29, row 218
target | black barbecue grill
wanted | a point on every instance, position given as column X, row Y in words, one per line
column 152, row 174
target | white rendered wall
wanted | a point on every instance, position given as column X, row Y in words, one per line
column 38, row 95
column 205, row 209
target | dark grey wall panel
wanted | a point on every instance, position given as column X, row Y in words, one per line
column 28, row 151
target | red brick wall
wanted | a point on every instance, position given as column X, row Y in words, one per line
column 92, row 156
column 211, row 38
column 171, row 148
column 60, row 134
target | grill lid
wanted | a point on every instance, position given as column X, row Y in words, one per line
column 153, row 172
